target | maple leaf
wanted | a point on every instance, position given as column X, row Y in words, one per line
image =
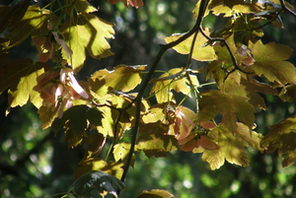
column 201, row 51
column 281, row 138
column 86, row 32
column 231, row 146
column 154, row 140
column 75, row 121
column 230, row 7
column 171, row 80
column 24, row 91
column 122, row 78
column 11, row 71
column 233, row 108
column 34, row 22
column 271, row 63
column 239, row 85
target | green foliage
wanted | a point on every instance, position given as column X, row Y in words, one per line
column 124, row 110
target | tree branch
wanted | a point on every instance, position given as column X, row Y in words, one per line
column 148, row 77
column 233, row 59
column 286, row 8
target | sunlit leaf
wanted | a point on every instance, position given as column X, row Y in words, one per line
column 229, row 7
column 154, row 114
column 175, row 80
column 84, row 6
column 11, row 71
column 112, row 168
column 270, row 62
column 201, row 51
column 230, row 149
column 24, row 91
column 87, row 33
column 32, row 23
column 122, row 78
column 232, row 108
column 154, row 140
column 121, row 151
column 236, row 84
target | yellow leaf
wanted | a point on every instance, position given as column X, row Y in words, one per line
column 230, row 149
column 114, row 169
column 24, row 91
column 154, row 114
column 121, row 151
column 230, row 7
column 32, row 23
column 232, row 108
column 84, row 6
column 270, row 62
column 84, row 33
column 122, row 78
column 201, row 52
column 171, row 80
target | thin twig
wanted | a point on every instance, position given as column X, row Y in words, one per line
column 145, row 82
column 233, row 59
column 286, row 8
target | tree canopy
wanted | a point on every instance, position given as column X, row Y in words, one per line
column 210, row 103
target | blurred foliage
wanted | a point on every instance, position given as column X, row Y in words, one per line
column 35, row 165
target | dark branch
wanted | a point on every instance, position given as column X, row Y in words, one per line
column 145, row 83
column 233, row 59
column 286, row 8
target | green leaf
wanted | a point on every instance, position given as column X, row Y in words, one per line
column 155, row 193
column 270, row 62
column 282, row 138
column 24, row 91
column 96, row 182
column 86, row 32
column 201, row 51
